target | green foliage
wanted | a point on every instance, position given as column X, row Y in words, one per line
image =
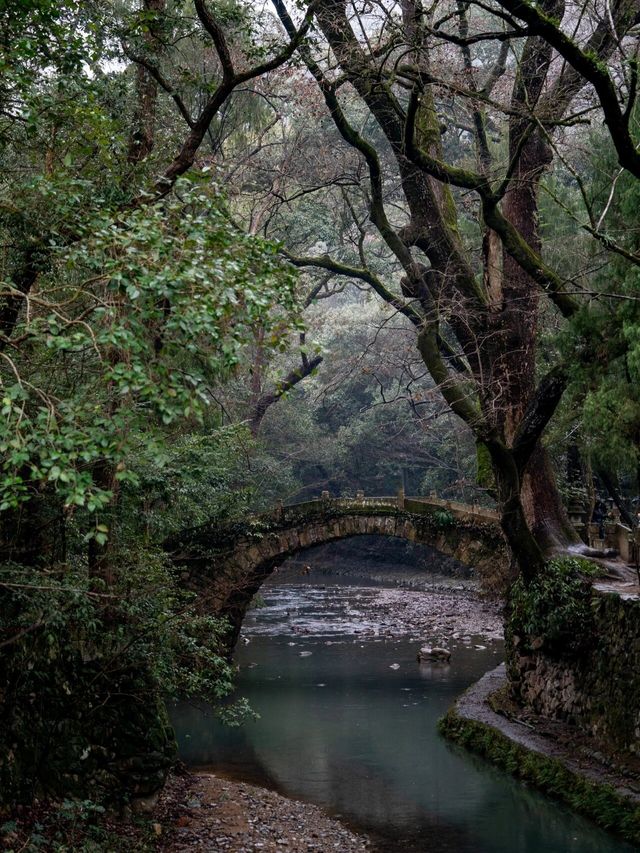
column 200, row 476
column 555, row 606
column 443, row 519
column 68, row 613
column 44, row 35
column 75, row 826
column 353, row 425
column 603, row 392
column 135, row 321
column 121, row 315
column 77, row 651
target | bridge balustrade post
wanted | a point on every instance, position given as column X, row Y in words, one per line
column 636, row 551
column 400, row 498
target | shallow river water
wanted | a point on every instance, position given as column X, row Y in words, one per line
column 349, row 722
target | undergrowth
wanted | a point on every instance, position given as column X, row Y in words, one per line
column 556, row 606
column 74, row 826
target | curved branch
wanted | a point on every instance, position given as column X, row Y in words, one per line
column 539, row 412
column 162, row 82
column 454, row 175
column 591, row 67
column 286, row 384
column 325, row 262
column 186, row 156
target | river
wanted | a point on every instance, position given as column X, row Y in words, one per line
column 348, row 721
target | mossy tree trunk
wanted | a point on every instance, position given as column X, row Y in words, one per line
column 488, row 376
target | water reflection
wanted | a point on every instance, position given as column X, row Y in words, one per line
column 341, row 728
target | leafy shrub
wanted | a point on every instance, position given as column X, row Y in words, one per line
column 85, row 671
column 555, row 606
column 443, row 519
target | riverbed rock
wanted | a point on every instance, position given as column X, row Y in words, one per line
column 433, row 653
column 144, row 805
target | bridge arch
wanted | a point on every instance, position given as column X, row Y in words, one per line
column 226, row 566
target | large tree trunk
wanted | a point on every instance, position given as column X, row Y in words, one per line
column 497, row 338
column 543, row 505
column 515, row 366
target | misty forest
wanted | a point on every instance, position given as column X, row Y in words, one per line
column 320, row 426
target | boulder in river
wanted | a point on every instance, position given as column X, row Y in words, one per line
column 431, row 653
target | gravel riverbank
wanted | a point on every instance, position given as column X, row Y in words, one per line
column 440, row 614
column 205, row 812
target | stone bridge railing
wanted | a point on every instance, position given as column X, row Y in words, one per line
column 413, row 505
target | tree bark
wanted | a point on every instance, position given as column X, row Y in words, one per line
column 142, row 135
column 609, row 482
column 496, row 327
column 515, row 365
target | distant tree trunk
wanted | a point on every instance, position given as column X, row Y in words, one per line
column 609, row 481
column 98, row 554
column 265, row 401
column 142, row 136
column 34, row 534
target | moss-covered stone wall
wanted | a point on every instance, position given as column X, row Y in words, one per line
column 76, row 728
column 590, row 676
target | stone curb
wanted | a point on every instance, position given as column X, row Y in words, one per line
column 596, row 792
column 472, row 706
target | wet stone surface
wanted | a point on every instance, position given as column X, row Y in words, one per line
column 369, row 612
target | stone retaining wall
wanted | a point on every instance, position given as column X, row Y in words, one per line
column 597, row 689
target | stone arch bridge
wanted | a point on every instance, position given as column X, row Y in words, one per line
column 226, row 566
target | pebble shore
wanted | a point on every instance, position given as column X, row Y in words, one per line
column 205, row 812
